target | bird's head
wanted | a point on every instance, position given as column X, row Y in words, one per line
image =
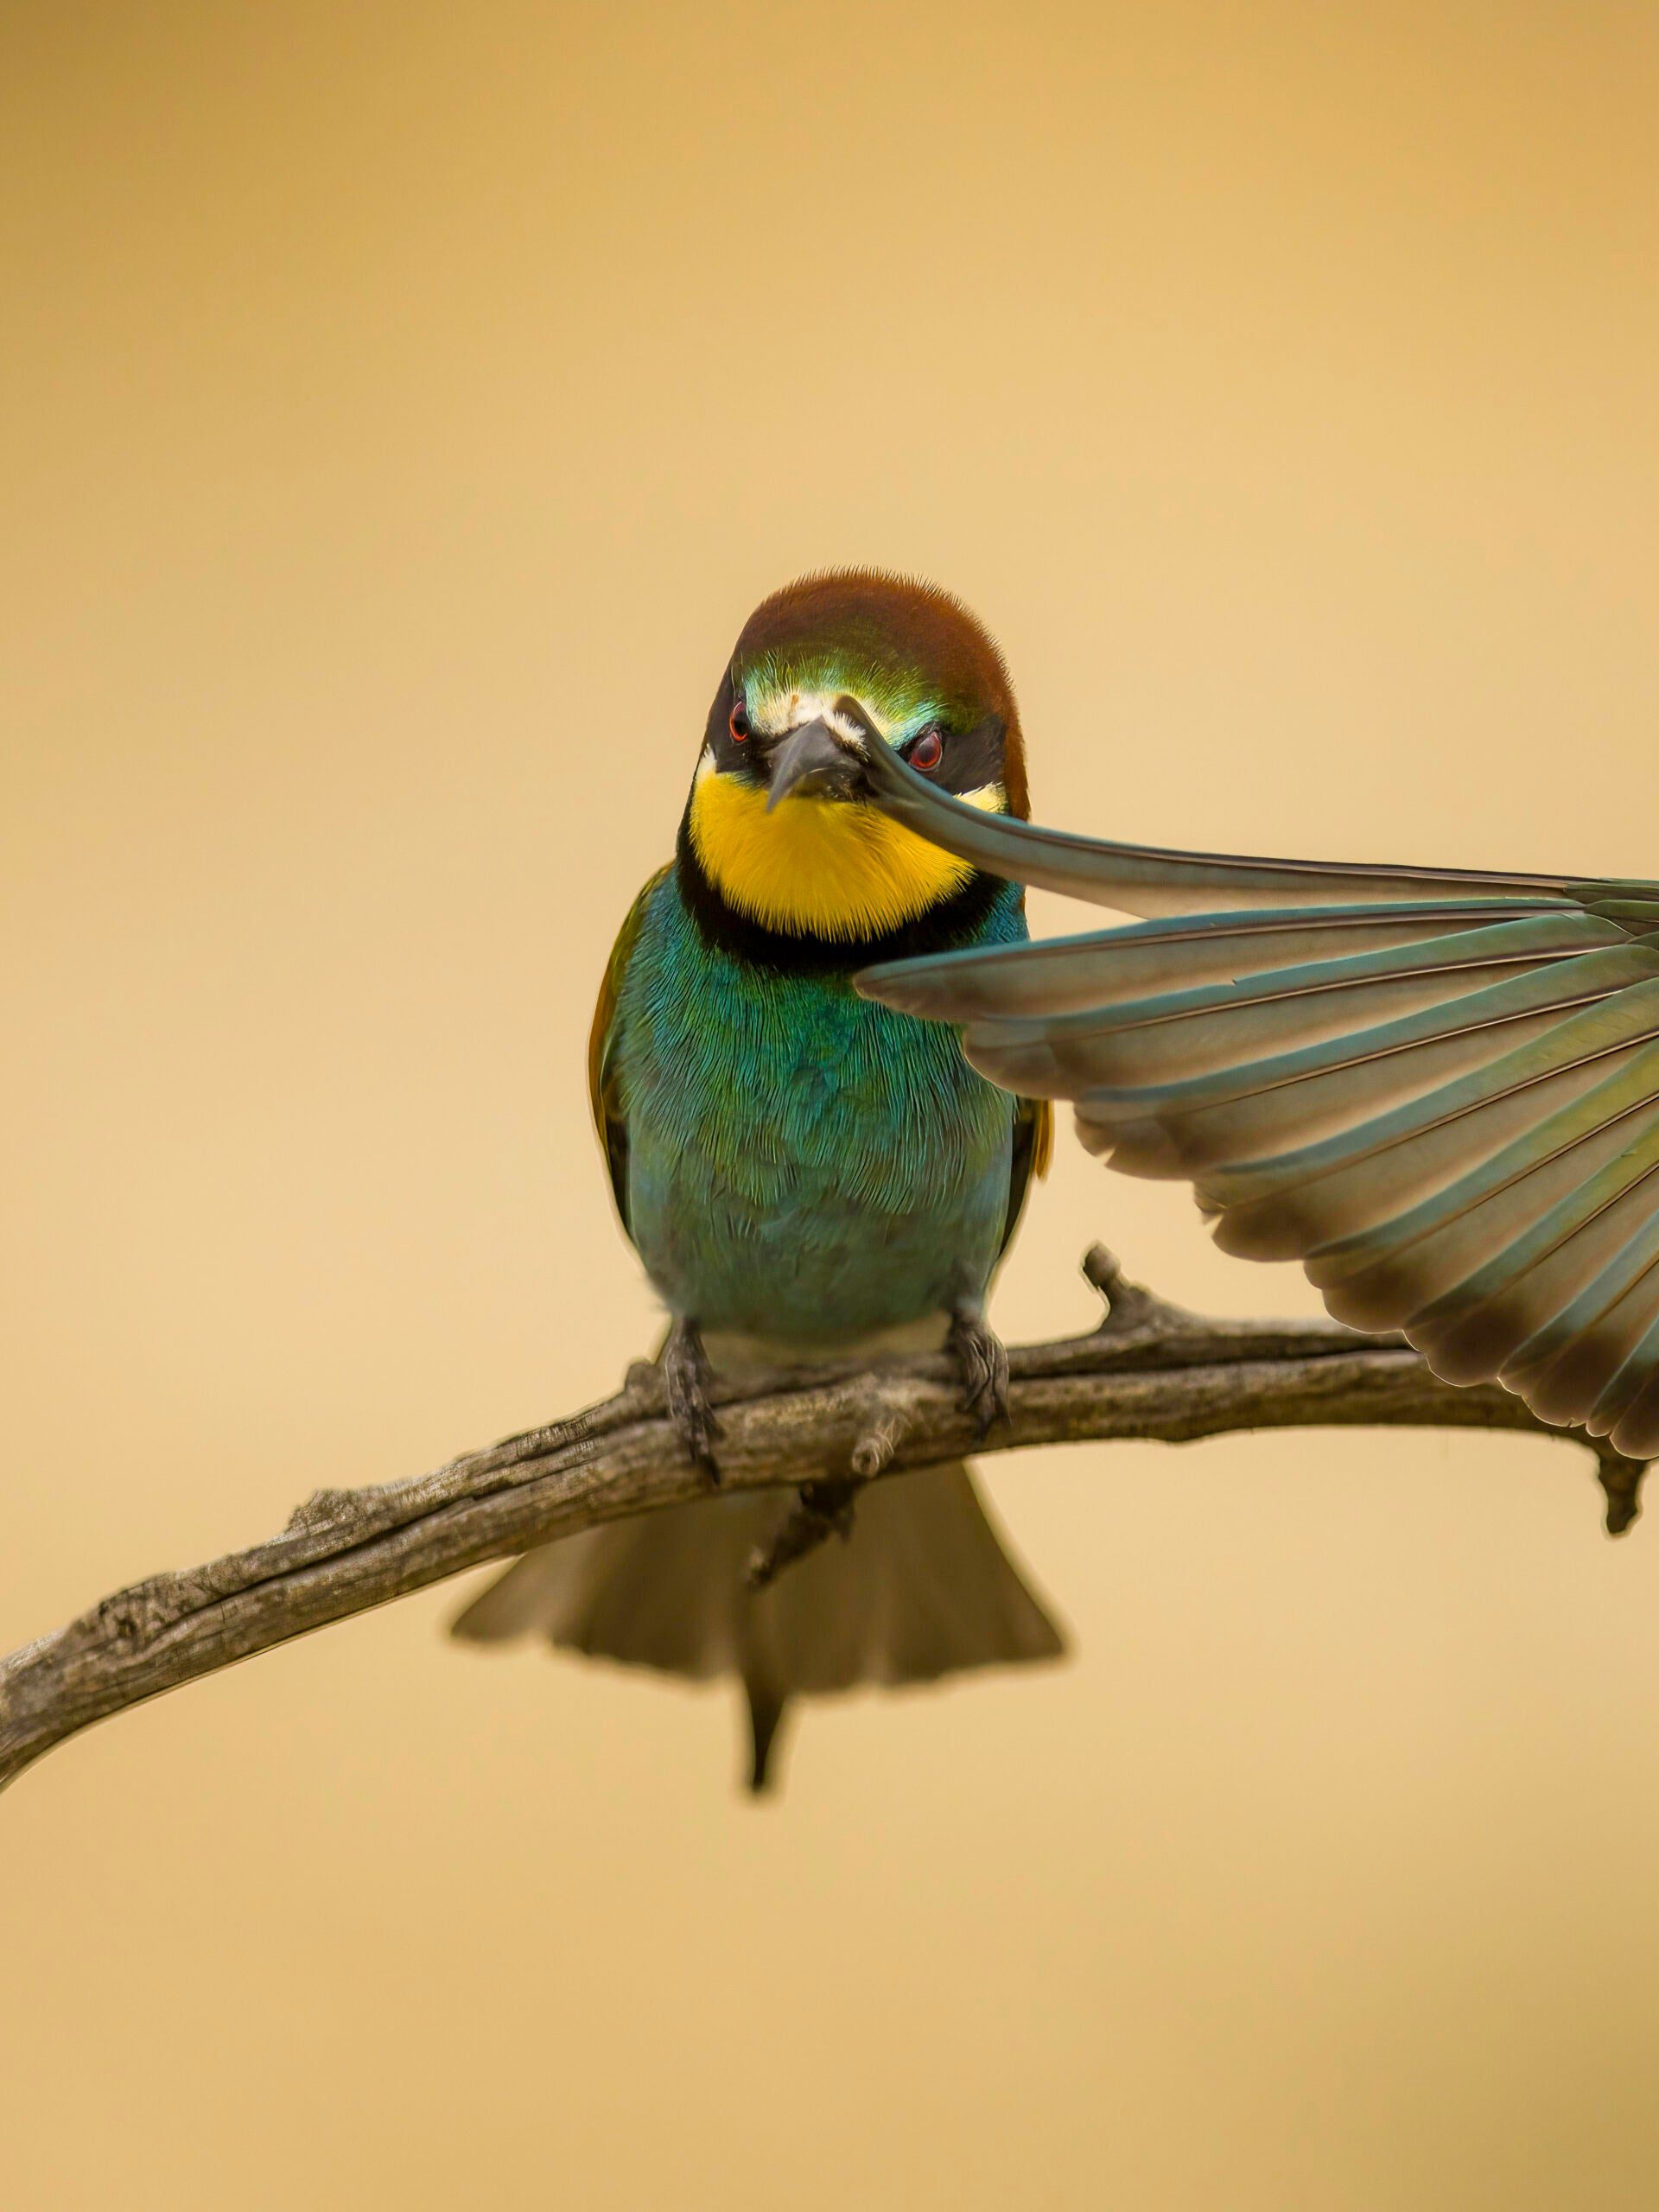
column 779, row 820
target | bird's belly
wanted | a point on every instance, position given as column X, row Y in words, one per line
column 809, row 1259
column 805, row 1168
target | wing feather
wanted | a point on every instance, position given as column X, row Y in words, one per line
column 604, row 1040
column 1157, row 879
column 1067, row 975
column 1032, row 1157
column 1437, row 1089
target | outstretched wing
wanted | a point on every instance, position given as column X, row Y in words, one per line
column 604, row 1049
column 1437, row 1089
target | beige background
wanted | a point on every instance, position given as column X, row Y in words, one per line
column 401, row 407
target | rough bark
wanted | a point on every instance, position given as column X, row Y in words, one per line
column 1151, row 1370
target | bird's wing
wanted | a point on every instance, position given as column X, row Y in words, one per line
column 604, row 1042
column 1034, row 1151
column 1152, row 879
column 1438, row 1090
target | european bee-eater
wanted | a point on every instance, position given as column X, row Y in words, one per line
column 805, row 1174
column 1437, row 1087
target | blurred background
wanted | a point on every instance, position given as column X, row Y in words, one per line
column 401, row 407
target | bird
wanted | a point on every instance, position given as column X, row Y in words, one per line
column 807, row 1176
column 1437, row 1089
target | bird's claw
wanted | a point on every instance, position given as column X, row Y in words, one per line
column 686, row 1375
column 982, row 1364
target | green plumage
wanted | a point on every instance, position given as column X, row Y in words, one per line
column 793, row 1161
column 805, row 1170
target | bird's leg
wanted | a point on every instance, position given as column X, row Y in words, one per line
column 983, row 1364
column 686, row 1379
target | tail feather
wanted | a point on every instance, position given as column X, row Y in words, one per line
column 767, row 1705
column 922, row 1588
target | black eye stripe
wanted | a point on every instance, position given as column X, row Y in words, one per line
column 727, row 732
column 969, row 758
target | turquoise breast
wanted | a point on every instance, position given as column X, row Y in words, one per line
column 803, row 1165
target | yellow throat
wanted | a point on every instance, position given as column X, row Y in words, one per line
column 818, row 866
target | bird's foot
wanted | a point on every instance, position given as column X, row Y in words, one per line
column 686, row 1375
column 983, row 1366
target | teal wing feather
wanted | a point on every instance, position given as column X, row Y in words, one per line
column 604, row 1053
column 1438, row 1090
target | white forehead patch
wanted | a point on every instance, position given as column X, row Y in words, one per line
column 774, row 712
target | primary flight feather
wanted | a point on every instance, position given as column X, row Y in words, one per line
column 1436, row 1087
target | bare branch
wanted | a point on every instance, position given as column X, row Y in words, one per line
column 1151, row 1370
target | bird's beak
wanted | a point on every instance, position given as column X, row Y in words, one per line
column 813, row 759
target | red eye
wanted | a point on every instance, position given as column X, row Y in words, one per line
column 927, row 751
column 739, row 724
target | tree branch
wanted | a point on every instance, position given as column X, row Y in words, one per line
column 1151, row 1370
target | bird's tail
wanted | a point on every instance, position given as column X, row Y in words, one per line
column 922, row 1587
